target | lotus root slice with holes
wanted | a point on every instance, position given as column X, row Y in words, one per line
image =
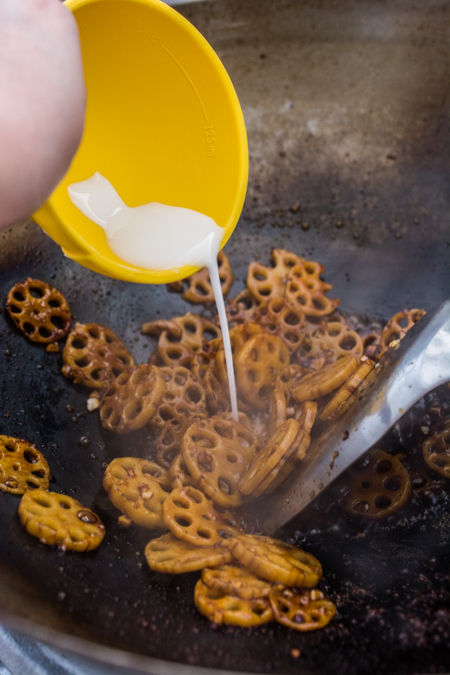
column 242, row 308
column 399, row 325
column 191, row 516
column 138, row 488
column 322, row 382
column 200, row 289
column 334, row 339
column 300, row 608
column 94, row 356
column 168, row 443
column 376, row 486
column 279, row 317
column 266, row 283
column 217, row 451
column 336, row 405
column 39, row 310
column 179, row 475
column 257, row 365
column 131, row 401
column 276, row 561
column 61, row 521
column 230, row 609
column 183, row 396
column 236, row 580
column 22, row 466
column 305, row 289
column 170, row 555
column 436, row 452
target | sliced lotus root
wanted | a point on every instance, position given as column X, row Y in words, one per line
column 217, row 452
column 236, row 580
column 220, row 608
column 399, row 325
column 305, row 415
column 179, row 475
column 276, row 561
column 217, row 392
column 191, row 516
column 278, row 448
column 138, row 488
column 181, row 337
column 94, row 355
column 170, row 555
column 200, row 289
column 238, row 337
column 277, row 410
column 183, row 396
column 257, row 365
column 327, row 379
column 22, row 466
column 377, row 486
column 242, row 308
column 279, row 317
column 59, row 520
column 266, row 283
column 168, row 443
column 330, row 341
column 301, row 609
column 133, row 399
column 204, row 357
column 290, row 377
column 39, row 311
column 436, row 452
column 305, row 289
column 336, row 405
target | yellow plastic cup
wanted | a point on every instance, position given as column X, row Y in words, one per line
column 163, row 123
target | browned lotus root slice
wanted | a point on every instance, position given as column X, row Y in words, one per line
column 378, row 486
column 168, row 443
column 217, row 452
column 242, row 308
column 276, row 451
column 305, row 289
column 59, row 520
column 183, row 396
column 94, row 355
column 181, row 337
column 179, row 475
column 133, row 399
column 265, row 283
column 204, row 357
column 399, row 325
column 236, row 580
column 327, row 379
column 280, row 317
column 290, row 377
column 436, row 452
column 257, row 365
column 200, row 289
column 138, row 488
column 301, row 609
column 22, row 466
column 238, row 337
column 276, row 561
column 220, row 608
column 191, row 516
column 336, row 404
column 284, row 467
column 277, row 410
column 170, row 555
column 330, row 341
column 39, row 311
column 305, row 415
column 217, row 392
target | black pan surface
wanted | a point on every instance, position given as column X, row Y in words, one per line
column 346, row 110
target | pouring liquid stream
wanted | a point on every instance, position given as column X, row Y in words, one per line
column 158, row 237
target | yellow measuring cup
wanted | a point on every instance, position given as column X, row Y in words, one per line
column 163, row 124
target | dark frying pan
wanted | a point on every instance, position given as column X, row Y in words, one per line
column 346, row 109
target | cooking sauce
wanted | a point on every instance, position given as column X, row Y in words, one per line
column 157, row 237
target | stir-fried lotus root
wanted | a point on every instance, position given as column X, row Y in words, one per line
column 277, row 410
column 436, row 452
column 22, row 466
column 59, row 520
column 325, row 380
column 329, row 342
column 376, row 486
column 336, row 405
column 266, row 283
column 179, row 474
column 276, row 561
column 220, row 608
column 168, row 443
column 191, row 516
column 304, row 288
column 94, row 355
column 399, row 325
column 183, row 396
column 181, row 337
column 236, row 580
column 170, row 555
column 238, row 337
column 39, row 310
column 138, row 488
column 200, row 289
column 301, row 609
column 133, row 399
column 216, row 452
column 257, row 365
column 290, row 377
column 241, row 308
column 280, row 317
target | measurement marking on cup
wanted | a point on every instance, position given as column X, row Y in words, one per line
column 210, row 140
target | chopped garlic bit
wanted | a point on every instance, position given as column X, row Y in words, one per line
column 92, row 404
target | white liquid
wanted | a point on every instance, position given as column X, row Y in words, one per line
column 155, row 236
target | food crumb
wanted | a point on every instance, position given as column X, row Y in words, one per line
column 295, row 653
column 92, row 404
column 52, row 347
